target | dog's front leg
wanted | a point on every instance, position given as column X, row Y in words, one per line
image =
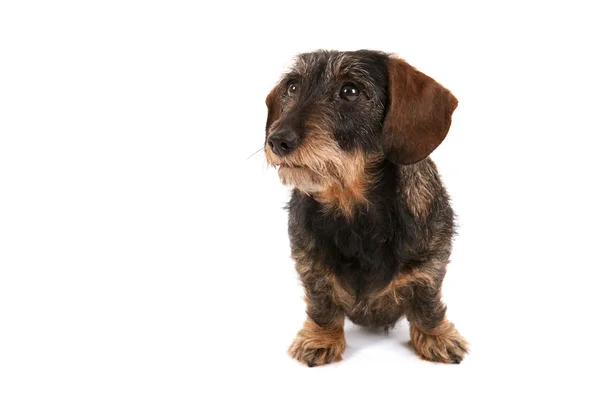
column 434, row 337
column 321, row 340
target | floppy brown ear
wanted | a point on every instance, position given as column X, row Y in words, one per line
column 274, row 107
column 418, row 116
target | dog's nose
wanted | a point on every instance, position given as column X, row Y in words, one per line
column 284, row 141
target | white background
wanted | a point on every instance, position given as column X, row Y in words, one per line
column 143, row 255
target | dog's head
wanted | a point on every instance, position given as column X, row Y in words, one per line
column 336, row 112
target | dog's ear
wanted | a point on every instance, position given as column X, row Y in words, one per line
column 418, row 116
column 274, row 107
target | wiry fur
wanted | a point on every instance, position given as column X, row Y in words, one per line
column 370, row 221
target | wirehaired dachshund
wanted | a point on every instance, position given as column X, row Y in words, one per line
column 370, row 222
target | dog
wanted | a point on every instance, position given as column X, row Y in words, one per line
column 370, row 222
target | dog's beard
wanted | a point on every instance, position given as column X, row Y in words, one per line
column 303, row 179
column 318, row 164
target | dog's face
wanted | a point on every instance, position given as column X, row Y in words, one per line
column 336, row 112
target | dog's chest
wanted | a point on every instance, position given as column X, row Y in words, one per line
column 361, row 253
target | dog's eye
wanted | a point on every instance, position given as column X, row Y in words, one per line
column 292, row 88
column 349, row 92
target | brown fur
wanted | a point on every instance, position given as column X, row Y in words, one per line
column 316, row 345
column 350, row 191
column 418, row 191
column 273, row 106
column 342, row 297
column 442, row 343
column 419, row 116
column 394, row 291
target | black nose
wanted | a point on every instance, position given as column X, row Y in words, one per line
column 284, row 141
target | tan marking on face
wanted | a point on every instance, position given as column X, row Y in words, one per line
column 318, row 167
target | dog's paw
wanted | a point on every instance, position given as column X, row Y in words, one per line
column 315, row 346
column 304, row 352
column 442, row 344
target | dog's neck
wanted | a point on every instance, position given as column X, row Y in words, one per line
column 354, row 191
column 345, row 198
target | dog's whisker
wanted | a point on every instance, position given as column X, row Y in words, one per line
column 255, row 153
